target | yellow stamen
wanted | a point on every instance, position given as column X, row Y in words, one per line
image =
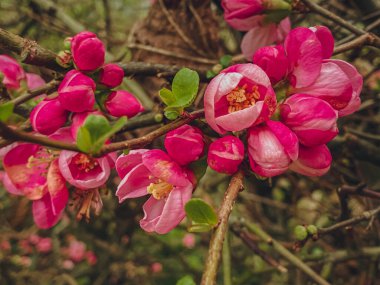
column 239, row 98
column 160, row 189
column 84, row 162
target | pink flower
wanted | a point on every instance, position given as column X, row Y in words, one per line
column 76, row 250
column 153, row 172
column 78, row 120
column 111, row 75
column 338, row 83
column 122, row 103
column 226, row 154
column 326, row 39
column 76, row 92
column 68, row 264
column 184, row 144
column 264, row 34
column 272, row 147
column 12, row 72
column 188, row 240
column 48, row 116
column 311, row 119
column 88, row 51
column 239, row 97
column 91, row 257
column 44, row 245
column 34, row 173
column 312, row 161
column 273, row 61
column 34, row 81
column 156, row 267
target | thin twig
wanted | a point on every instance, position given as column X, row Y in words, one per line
column 355, row 43
column 216, row 243
column 52, row 85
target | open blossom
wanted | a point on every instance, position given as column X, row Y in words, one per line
column 88, row 51
column 226, row 154
column 239, row 97
column 48, row 116
column 153, row 172
column 272, row 147
column 76, row 92
column 122, row 103
column 184, row 144
column 312, row 161
column 11, row 71
column 111, row 75
column 34, row 173
column 313, row 120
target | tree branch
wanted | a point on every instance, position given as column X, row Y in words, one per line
column 216, row 243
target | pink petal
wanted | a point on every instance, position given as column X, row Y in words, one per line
column 43, row 214
column 57, row 188
column 9, row 186
column 326, row 38
column 126, row 162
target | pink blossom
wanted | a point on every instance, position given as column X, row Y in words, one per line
column 91, row 257
column 68, row 264
column 122, row 103
column 34, row 81
column 48, row 116
column 111, row 75
column 226, row 154
column 311, row 119
column 312, row 161
column 326, row 39
column 156, row 267
column 34, row 239
column 272, row 147
column 239, row 97
column 88, row 51
column 76, row 250
column 338, row 83
column 184, row 144
column 189, row 240
column 76, row 92
column 264, row 34
column 153, row 172
column 11, row 71
column 44, row 245
column 34, row 172
column 5, row 245
column 273, row 60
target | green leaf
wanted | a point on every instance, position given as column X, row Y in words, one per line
column 225, row 60
column 166, row 96
column 84, row 139
column 199, row 167
column 6, row 110
column 200, row 212
column 186, row 280
column 210, row 74
column 172, row 113
column 185, row 87
column 199, row 228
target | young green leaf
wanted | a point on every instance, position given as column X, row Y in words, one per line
column 225, row 60
column 166, row 96
column 185, row 87
column 84, row 139
column 200, row 212
column 186, row 280
column 199, row 228
column 6, row 110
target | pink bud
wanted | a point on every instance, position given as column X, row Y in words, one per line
column 122, row 103
column 48, row 116
column 226, row 154
column 44, row 245
column 312, row 161
column 76, row 251
column 111, row 75
column 156, row 267
column 326, row 38
column 273, row 60
column 76, row 92
column 184, row 144
column 11, row 71
column 272, row 147
column 68, row 264
column 34, row 239
column 34, row 81
column 91, row 257
column 188, row 240
column 88, row 51
column 311, row 119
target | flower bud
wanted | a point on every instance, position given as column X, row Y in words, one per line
column 313, row 120
column 111, row 75
column 48, row 116
column 76, row 92
column 11, row 71
column 67, row 43
column 273, row 60
column 184, row 144
column 88, row 51
column 226, row 154
column 272, row 147
column 122, row 103
column 64, row 58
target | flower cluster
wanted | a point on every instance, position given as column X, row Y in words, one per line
column 318, row 91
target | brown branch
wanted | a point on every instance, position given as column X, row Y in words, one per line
column 216, row 243
column 366, row 39
column 359, row 190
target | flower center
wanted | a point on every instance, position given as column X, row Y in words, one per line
column 240, row 98
column 160, row 189
column 41, row 159
column 84, row 162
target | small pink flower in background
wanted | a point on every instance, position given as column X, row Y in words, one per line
column 156, row 267
column 34, row 239
column 272, row 147
column 76, row 251
column 313, row 120
column 44, row 245
column 273, row 60
column 5, row 245
column 239, row 97
column 48, row 116
column 153, row 172
column 33, row 172
column 312, row 161
column 76, row 92
column 68, row 264
column 184, row 144
column 111, row 75
column 34, row 81
column 91, row 257
column 11, row 72
column 25, row 246
column 188, row 240
column 226, row 154
column 88, row 51
column 122, row 103
column 26, row 261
